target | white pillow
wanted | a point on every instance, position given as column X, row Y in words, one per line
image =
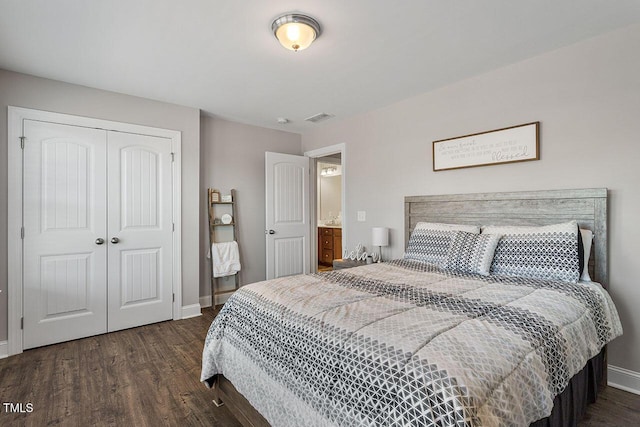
column 587, row 237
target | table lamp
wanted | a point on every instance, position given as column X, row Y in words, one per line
column 380, row 238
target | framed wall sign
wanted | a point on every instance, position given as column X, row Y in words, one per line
column 508, row 145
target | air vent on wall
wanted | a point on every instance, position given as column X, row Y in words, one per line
column 318, row 117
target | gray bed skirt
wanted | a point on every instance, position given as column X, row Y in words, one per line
column 570, row 406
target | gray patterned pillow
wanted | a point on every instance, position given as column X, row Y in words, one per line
column 471, row 253
column 429, row 242
column 548, row 252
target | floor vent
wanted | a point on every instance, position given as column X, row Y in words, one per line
column 318, row 117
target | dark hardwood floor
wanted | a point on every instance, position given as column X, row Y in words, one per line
column 149, row 376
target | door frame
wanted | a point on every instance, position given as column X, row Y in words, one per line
column 16, row 115
column 313, row 196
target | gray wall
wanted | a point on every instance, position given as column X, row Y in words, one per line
column 232, row 156
column 21, row 90
column 587, row 98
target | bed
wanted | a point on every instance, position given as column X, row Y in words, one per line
column 450, row 340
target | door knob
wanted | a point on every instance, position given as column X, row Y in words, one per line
column 99, row 241
column 271, row 232
column 114, row 240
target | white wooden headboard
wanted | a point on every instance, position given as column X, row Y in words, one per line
column 587, row 206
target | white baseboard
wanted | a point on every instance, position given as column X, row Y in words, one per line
column 624, row 379
column 192, row 310
column 4, row 349
column 222, row 298
column 205, row 301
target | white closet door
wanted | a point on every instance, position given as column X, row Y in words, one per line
column 65, row 286
column 140, row 230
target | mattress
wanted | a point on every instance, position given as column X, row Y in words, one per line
column 406, row 343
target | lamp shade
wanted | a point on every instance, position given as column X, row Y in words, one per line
column 380, row 236
column 295, row 31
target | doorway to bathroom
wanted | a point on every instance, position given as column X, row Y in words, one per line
column 329, row 209
column 329, row 217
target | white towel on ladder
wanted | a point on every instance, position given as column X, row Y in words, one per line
column 225, row 258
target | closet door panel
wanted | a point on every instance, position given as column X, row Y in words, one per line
column 140, row 230
column 64, row 207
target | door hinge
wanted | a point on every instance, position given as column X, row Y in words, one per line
column 22, row 323
column 22, row 232
column 172, row 157
column 22, row 138
column 173, row 226
column 174, row 297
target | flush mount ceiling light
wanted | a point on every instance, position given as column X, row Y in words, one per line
column 295, row 31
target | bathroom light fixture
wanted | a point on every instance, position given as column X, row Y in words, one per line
column 329, row 171
column 295, row 31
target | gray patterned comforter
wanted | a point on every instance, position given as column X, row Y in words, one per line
column 404, row 343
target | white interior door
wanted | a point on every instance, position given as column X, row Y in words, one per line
column 287, row 214
column 64, row 178
column 140, row 230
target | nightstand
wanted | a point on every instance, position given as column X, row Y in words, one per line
column 339, row 264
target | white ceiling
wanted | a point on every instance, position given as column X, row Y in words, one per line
column 220, row 55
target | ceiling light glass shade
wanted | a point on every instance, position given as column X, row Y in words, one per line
column 295, row 32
